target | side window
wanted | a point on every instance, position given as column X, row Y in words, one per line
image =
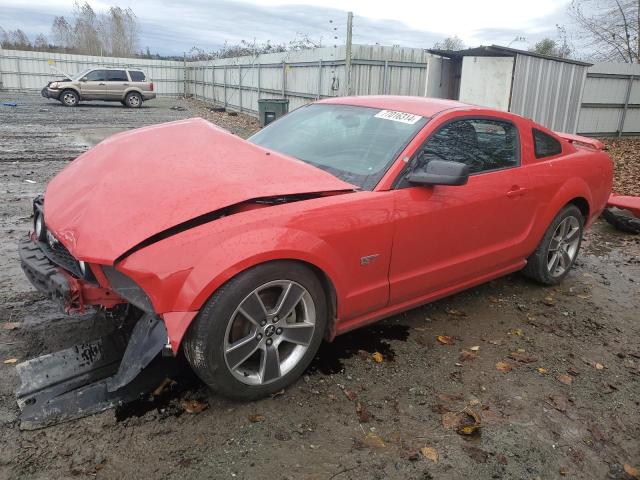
column 545, row 145
column 117, row 76
column 136, row 76
column 483, row 144
column 96, row 76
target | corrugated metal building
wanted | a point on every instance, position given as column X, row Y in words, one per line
column 545, row 89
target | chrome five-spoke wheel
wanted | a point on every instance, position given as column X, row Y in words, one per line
column 269, row 332
column 259, row 331
column 563, row 247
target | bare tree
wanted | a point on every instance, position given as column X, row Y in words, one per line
column 19, row 39
column 41, row 42
column 610, row 28
column 450, row 43
column 4, row 38
column 560, row 47
column 62, row 33
column 118, row 32
column 85, row 33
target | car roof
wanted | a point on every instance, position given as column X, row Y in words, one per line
column 116, row 68
column 423, row 106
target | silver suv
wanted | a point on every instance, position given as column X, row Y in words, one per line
column 129, row 86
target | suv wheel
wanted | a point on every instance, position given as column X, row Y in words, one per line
column 557, row 251
column 69, row 98
column 259, row 332
column 133, row 100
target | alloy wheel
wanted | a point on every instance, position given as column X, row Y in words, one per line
column 269, row 332
column 69, row 99
column 563, row 247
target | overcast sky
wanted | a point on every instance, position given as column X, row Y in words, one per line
column 171, row 27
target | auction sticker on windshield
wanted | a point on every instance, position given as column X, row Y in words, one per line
column 402, row 117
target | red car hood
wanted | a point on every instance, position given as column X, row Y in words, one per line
column 139, row 183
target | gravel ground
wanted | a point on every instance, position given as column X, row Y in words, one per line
column 553, row 373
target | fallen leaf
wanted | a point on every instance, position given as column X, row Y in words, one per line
column 256, row 417
column 563, row 471
column 194, row 406
column 374, row 441
column 465, row 422
column 566, row 379
column 11, row 325
column 10, row 361
column 504, row 367
column 364, row 415
column 598, row 366
column 631, row 471
column 559, row 402
column 495, row 342
column 456, row 313
column 351, row 395
column 542, row 371
column 549, row 301
column 477, row 454
column 516, row 331
column 429, row 453
column 163, row 387
column 583, row 296
column 445, row 340
column 522, row 357
column 470, row 422
column 467, row 355
column 475, row 348
column 377, row 357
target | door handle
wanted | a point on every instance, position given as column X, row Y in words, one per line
column 102, row 84
column 125, row 84
column 516, row 191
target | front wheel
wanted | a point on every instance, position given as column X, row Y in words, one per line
column 69, row 98
column 259, row 332
column 557, row 251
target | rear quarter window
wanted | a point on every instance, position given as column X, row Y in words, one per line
column 545, row 145
column 137, row 76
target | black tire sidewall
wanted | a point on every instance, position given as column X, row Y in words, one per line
column 204, row 342
column 133, row 94
column 64, row 92
column 538, row 268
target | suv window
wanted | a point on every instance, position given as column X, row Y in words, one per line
column 483, row 144
column 96, row 76
column 117, row 76
column 545, row 145
column 136, row 76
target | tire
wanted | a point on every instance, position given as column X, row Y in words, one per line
column 557, row 243
column 69, row 98
column 622, row 219
column 133, row 100
column 237, row 357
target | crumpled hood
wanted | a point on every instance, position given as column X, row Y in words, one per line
column 138, row 183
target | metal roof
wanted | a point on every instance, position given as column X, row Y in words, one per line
column 498, row 51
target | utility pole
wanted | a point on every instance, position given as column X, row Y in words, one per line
column 347, row 55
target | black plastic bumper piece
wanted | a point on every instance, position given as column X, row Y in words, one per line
column 92, row 377
column 43, row 274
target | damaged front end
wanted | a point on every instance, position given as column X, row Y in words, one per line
column 94, row 376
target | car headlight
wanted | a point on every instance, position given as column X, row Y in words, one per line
column 54, row 85
column 38, row 226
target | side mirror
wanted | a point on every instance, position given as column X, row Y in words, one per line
column 83, row 79
column 440, row 172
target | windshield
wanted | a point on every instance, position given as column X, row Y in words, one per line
column 81, row 74
column 355, row 144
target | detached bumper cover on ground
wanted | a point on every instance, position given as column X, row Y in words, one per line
column 89, row 377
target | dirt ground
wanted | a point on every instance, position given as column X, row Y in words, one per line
column 553, row 373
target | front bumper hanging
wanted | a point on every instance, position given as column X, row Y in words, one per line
column 92, row 377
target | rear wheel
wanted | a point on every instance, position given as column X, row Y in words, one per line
column 557, row 251
column 259, row 332
column 69, row 98
column 133, row 100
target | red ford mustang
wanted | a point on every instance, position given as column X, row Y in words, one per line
column 246, row 254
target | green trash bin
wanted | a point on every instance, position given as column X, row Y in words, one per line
column 270, row 109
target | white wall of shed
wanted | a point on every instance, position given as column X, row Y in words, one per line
column 486, row 81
